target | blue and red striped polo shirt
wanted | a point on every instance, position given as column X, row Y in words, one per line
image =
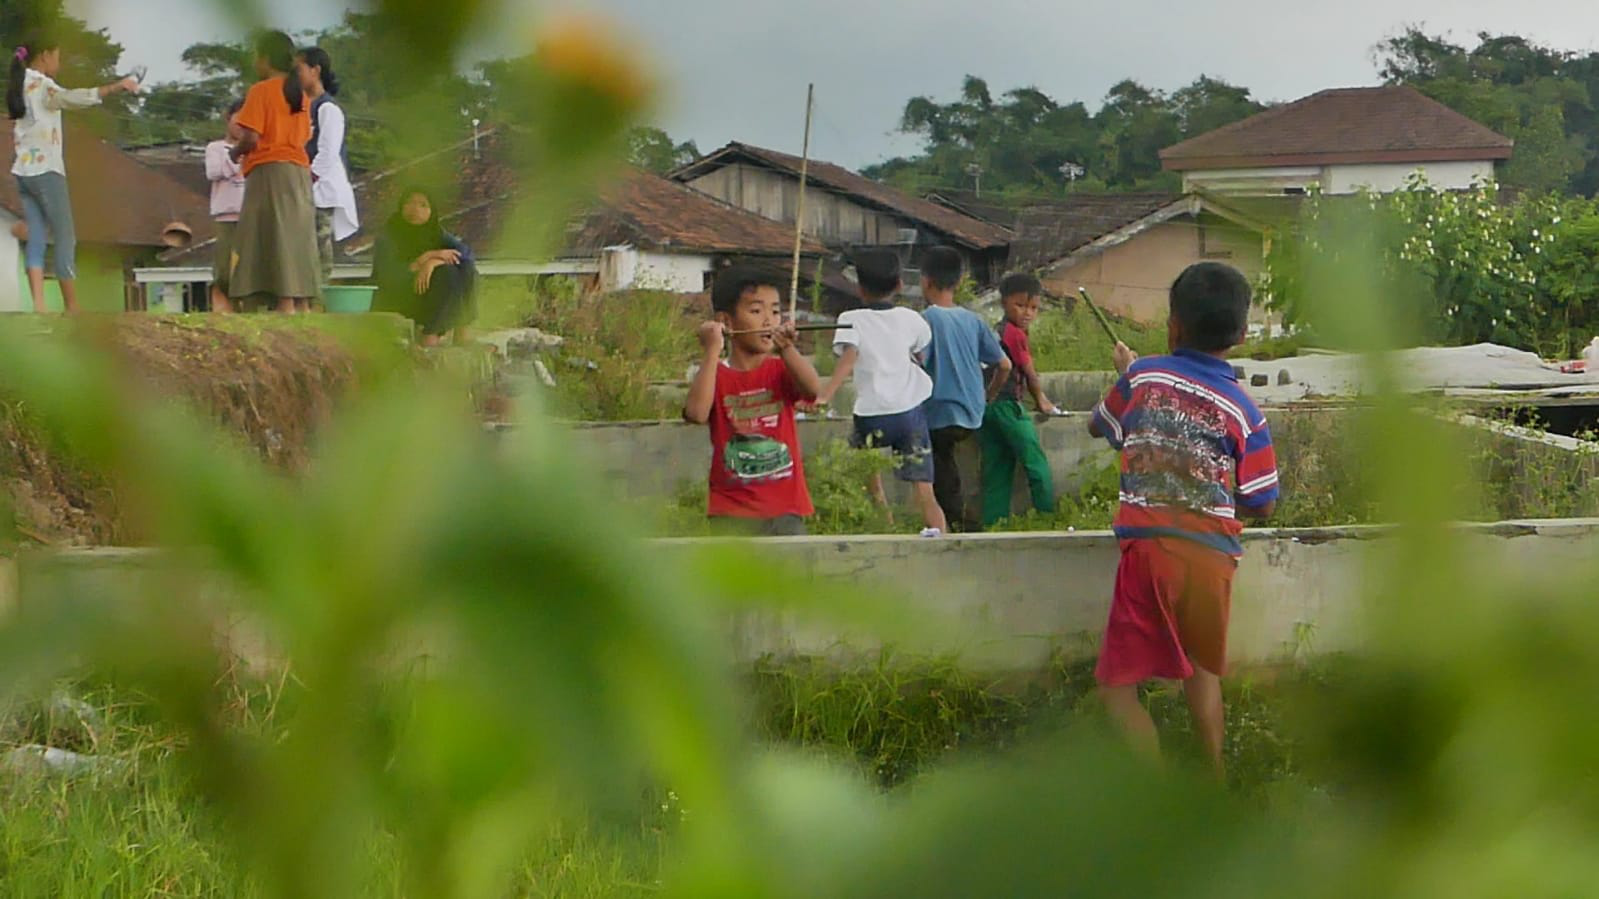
column 1194, row 449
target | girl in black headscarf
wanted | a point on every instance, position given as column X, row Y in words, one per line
column 423, row 272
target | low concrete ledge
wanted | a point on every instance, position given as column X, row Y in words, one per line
column 1010, row 601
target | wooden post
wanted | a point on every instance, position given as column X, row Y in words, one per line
column 799, row 220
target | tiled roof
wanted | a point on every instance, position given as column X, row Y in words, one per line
column 655, row 213
column 639, row 208
column 1046, row 232
column 1350, row 125
column 115, row 198
column 993, row 210
column 956, row 226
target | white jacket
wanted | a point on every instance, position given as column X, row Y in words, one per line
column 331, row 187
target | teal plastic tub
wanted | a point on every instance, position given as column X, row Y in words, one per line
column 349, row 299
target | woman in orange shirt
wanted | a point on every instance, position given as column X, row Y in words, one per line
column 274, row 245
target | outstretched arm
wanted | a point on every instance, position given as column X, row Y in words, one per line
column 841, row 373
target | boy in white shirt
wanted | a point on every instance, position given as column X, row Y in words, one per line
column 879, row 344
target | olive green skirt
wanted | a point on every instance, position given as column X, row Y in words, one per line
column 274, row 251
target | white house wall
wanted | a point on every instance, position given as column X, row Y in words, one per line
column 671, row 272
column 10, row 266
column 1348, row 179
column 1338, row 179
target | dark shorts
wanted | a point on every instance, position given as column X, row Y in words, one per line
column 906, row 434
column 781, row 526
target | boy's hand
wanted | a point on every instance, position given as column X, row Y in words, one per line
column 712, row 336
column 784, row 335
column 1047, row 408
column 1123, row 356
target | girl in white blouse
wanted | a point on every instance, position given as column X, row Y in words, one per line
column 34, row 101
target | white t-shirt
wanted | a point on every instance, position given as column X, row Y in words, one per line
column 888, row 379
column 38, row 134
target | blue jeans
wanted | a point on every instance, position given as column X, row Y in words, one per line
column 47, row 208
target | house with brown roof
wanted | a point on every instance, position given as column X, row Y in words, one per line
column 121, row 209
column 1126, row 249
column 844, row 209
column 1341, row 141
column 642, row 231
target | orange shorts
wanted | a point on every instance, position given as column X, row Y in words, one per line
column 1169, row 614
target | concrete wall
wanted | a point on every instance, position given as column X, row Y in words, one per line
column 102, row 283
column 1001, row 602
column 641, row 460
column 1133, row 279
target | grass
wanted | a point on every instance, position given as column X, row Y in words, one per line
column 144, row 832
column 1069, row 339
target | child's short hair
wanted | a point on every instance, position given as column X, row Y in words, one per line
column 1020, row 283
column 733, row 282
column 942, row 266
column 1211, row 303
column 234, row 107
column 877, row 272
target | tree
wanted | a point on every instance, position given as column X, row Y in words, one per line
column 1024, row 140
column 654, row 150
column 1537, row 96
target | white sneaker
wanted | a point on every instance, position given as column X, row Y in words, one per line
column 932, row 532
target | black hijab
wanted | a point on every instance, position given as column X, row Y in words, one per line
column 410, row 241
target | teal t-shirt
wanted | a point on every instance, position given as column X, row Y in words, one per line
column 962, row 345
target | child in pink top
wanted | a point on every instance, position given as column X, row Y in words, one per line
column 227, row 199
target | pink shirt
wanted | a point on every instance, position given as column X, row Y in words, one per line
column 227, row 182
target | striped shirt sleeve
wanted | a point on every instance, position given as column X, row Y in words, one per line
column 1108, row 414
column 1257, row 469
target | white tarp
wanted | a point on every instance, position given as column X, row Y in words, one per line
column 1484, row 366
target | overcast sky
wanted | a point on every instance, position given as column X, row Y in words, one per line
column 737, row 69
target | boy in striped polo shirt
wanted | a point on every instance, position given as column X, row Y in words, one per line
column 1196, row 456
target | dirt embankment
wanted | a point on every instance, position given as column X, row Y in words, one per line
column 269, row 385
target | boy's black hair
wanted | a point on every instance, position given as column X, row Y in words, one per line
column 21, row 55
column 942, row 266
column 877, row 272
column 234, row 107
column 318, row 58
column 1020, row 283
column 733, row 282
column 277, row 49
column 1211, row 303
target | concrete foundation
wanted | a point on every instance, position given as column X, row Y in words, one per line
column 1001, row 602
column 661, row 459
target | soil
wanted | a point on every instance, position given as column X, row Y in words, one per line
column 269, row 387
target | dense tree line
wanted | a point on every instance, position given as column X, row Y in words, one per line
column 1026, row 142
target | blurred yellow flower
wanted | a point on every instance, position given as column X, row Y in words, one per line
column 587, row 50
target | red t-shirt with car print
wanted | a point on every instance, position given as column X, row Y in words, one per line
column 756, row 465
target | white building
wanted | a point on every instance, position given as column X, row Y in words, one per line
column 1342, row 141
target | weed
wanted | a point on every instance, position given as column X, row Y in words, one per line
column 1069, row 339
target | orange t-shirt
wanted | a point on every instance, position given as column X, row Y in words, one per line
column 284, row 134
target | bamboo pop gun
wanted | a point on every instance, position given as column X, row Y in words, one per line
column 796, row 327
column 1098, row 316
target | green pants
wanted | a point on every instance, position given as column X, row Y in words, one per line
column 1008, row 436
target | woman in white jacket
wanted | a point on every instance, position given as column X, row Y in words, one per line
column 34, row 101
column 336, row 215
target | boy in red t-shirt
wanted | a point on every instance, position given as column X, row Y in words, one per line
column 757, row 476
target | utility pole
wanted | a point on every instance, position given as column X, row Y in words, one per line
column 799, row 221
column 976, row 171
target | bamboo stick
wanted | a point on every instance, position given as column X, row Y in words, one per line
column 799, row 220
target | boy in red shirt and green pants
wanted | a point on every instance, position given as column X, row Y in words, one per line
column 757, row 471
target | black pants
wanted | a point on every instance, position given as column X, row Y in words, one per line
column 947, row 476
